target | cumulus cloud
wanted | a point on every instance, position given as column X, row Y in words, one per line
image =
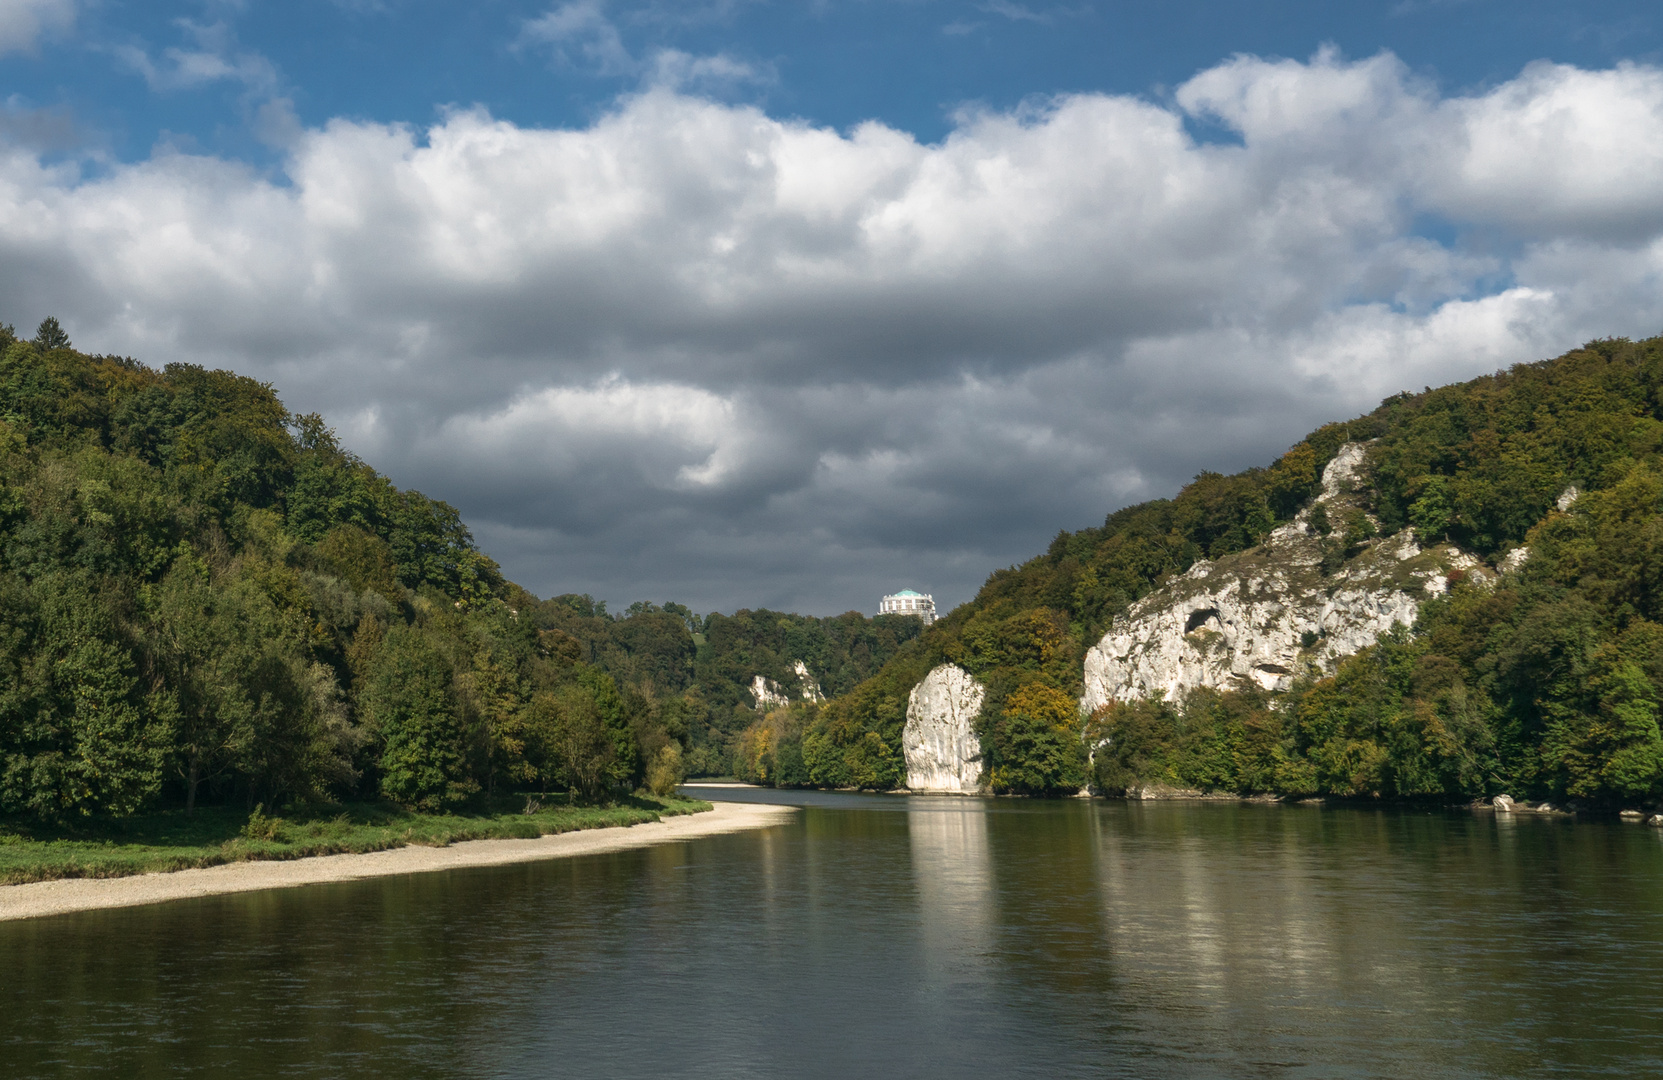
column 24, row 22
column 694, row 351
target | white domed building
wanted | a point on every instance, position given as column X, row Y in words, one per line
column 907, row 602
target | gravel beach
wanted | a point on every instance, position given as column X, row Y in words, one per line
column 43, row 898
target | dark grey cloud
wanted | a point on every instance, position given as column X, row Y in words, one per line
column 696, row 352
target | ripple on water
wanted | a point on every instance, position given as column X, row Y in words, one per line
column 901, row 936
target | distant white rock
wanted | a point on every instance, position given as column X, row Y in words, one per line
column 939, row 740
column 810, row 685
column 768, row 693
column 1266, row 615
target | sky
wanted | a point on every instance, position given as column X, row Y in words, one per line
column 752, row 304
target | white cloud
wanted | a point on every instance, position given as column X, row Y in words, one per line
column 1016, row 12
column 675, row 437
column 1560, row 149
column 214, row 56
column 1557, row 149
column 24, row 22
column 580, row 31
column 580, row 34
column 1023, row 13
column 694, row 348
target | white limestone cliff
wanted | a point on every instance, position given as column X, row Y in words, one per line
column 768, row 693
column 939, row 739
column 1269, row 614
column 810, row 685
column 771, row 695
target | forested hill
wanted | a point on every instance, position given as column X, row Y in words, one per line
column 204, row 597
column 1543, row 681
column 706, row 665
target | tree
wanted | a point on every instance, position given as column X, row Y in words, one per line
column 1430, row 514
column 77, row 734
column 50, row 335
column 496, row 700
column 624, row 766
column 666, row 772
column 1037, row 745
column 1130, row 743
column 192, row 635
column 577, row 738
column 411, row 707
column 187, row 575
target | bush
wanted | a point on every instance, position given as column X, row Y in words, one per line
column 665, row 773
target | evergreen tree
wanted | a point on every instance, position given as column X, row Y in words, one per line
column 50, row 335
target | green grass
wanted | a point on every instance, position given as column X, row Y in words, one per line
column 173, row 840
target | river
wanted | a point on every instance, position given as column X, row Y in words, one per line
column 905, row 937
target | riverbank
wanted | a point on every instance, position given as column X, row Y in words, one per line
column 170, row 840
column 56, row 897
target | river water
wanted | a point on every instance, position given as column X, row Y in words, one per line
column 901, row 937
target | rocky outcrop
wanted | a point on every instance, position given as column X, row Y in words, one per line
column 771, row 695
column 939, row 740
column 809, row 684
column 768, row 693
column 1267, row 615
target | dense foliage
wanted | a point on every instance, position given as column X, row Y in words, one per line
column 700, row 669
column 203, row 596
column 1547, row 683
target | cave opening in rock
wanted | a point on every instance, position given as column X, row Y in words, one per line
column 1199, row 619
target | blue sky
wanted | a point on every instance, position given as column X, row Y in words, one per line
column 753, row 304
column 909, row 63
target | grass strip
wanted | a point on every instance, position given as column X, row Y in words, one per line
column 172, row 840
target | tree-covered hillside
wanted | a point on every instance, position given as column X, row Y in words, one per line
column 704, row 665
column 1547, row 683
column 204, row 597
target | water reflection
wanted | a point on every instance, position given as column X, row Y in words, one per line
column 953, row 875
column 914, row 937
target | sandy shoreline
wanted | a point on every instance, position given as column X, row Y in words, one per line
column 85, row 894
